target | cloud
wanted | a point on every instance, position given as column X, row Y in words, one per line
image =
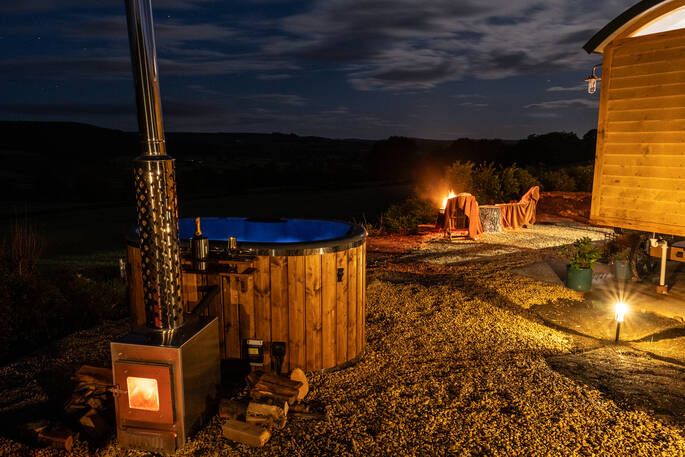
column 563, row 104
column 168, row 33
column 280, row 99
column 473, row 105
column 405, row 45
column 38, row 6
column 274, row 76
column 575, row 88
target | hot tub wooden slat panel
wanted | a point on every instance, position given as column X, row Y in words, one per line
column 341, row 306
column 190, row 290
column 135, row 286
column 328, row 328
column 362, row 320
column 262, row 305
column 352, row 304
column 279, row 304
column 360, row 299
column 313, row 312
column 231, row 316
column 246, row 308
column 296, row 317
column 216, row 308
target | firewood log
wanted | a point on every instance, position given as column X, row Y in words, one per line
column 245, row 433
column 94, row 425
column 59, row 437
column 231, row 409
column 263, row 392
column 267, row 415
column 299, row 376
column 30, row 430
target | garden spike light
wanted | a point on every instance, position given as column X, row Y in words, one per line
column 619, row 316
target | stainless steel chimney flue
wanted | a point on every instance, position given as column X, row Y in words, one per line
column 155, row 181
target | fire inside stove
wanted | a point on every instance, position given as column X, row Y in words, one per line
column 142, row 393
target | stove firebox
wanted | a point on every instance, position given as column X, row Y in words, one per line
column 165, row 384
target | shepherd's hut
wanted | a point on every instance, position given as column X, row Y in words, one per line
column 639, row 180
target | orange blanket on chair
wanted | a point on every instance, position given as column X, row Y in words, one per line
column 467, row 204
column 515, row 215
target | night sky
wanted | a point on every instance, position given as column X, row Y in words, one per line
column 338, row 68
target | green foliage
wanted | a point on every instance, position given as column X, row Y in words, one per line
column 405, row 216
column 582, row 253
column 558, row 180
column 619, row 248
column 583, row 175
column 500, row 184
column 459, row 176
column 487, row 184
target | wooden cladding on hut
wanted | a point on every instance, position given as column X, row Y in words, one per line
column 316, row 304
column 640, row 167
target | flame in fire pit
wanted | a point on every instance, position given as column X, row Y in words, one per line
column 143, row 393
column 444, row 202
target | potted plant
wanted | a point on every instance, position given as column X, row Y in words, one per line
column 582, row 254
column 621, row 261
column 618, row 251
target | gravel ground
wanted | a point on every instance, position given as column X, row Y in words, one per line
column 459, row 363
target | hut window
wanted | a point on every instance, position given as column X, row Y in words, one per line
column 672, row 21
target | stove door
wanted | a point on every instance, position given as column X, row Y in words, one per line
column 145, row 392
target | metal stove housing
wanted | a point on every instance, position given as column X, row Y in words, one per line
column 185, row 364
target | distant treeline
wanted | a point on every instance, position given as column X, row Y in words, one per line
column 401, row 157
column 70, row 162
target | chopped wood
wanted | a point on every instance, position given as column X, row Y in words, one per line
column 298, row 375
column 279, row 381
column 30, row 430
column 270, row 386
column 94, row 424
column 231, row 409
column 252, row 378
column 245, row 433
column 267, row 415
column 59, row 437
column 261, row 393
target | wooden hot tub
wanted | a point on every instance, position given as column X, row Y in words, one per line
column 301, row 282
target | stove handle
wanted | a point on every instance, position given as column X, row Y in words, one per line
column 116, row 391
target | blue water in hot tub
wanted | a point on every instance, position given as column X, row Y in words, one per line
column 264, row 230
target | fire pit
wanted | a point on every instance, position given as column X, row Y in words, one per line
column 293, row 281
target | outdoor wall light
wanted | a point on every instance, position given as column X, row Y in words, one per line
column 619, row 316
column 592, row 80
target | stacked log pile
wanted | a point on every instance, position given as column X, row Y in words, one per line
column 271, row 399
column 86, row 411
column 92, row 401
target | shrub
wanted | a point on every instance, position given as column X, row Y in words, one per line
column 405, row 216
column 583, row 175
column 558, row 180
column 487, row 184
column 500, row 185
column 459, row 176
column 25, row 248
column 582, row 253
